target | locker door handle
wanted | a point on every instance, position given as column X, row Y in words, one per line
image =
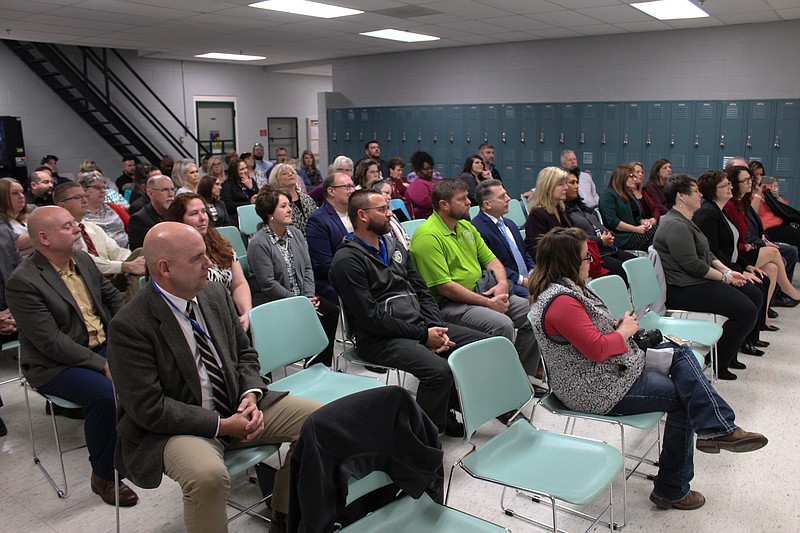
column 749, row 143
column 435, row 136
column 467, row 139
column 582, row 139
column 722, row 141
column 561, row 138
column 452, row 137
column 334, row 136
column 503, row 137
column 360, row 136
column 672, row 140
column 625, row 140
column 347, row 136
column 522, row 137
column 389, row 136
column 777, row 143
column 603, row 139
column 541, row 138
column 404, row 137
column 697, row 139
column 649, row 139
column 486, row 136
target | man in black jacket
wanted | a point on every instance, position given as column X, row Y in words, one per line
column 395, row 319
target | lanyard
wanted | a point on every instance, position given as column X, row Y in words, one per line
column 193, row 322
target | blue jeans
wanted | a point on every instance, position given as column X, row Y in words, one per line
column 692, row 406
column 92, row 390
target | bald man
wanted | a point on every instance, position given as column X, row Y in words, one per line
column 171, row 351
column 62, row 305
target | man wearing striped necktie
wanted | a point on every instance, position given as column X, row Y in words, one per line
column 188, row 382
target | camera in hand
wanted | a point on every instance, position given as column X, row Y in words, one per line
column 645, row 339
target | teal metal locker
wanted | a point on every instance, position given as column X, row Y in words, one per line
column 730, row 136
column 611, row 148
column 549, row 149
column 390, row 139
column 679, row 145
column 588, row 144
column 704, row 148
column 633, row 121
column 656, row 131
column 473, row 136
column 758, row 137
column 786, row 143
column 568, row 128
column 507, row 148
column 438, row 142
column 528, row 127
column 456, row 142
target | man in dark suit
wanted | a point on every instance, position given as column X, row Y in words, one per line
column 501, row 234
column 63, row 305
column 326, row 228
column 161, row 192
column 188, row 382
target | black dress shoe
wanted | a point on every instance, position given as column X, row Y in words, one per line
column 278, row 523
column 760, row 344
column 377, row 369
column 736, row 365
column 748, row 349
column 539, row 392
column 770, row 327
column 783, row 301
column 772, row 313
column 726, row 374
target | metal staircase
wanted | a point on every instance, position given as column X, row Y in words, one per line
column 106, row 102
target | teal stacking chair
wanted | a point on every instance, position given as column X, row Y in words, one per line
column 599, row 215
column 8, row 346
column 236, row 461
column 516, row 213
column 52, row 402
column 645, row 291
column 411, row 226
column 287, row 331
column 614, row 293
column 248, row 218
column 540, row 464
column 398, row 204
column 350, row 354
column 234, row 236
column 474, row 210
column 407, row 515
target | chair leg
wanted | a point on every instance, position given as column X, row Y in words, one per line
column 116, row 496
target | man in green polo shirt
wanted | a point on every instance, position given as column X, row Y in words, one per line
column 451, row 256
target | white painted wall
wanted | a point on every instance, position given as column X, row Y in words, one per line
column 50, row 126
column 747, row 61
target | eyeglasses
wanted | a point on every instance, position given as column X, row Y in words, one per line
column 588, row 257
column 724, row 185
column 746, row 180
column 76, row 197
column 164, row 189
column 95, row 187
column 346, row 186
column 382, row 208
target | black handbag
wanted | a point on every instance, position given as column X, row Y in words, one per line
column 789, row 214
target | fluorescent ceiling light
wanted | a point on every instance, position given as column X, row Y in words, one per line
column 671, row 9
column 398, row 35
column 229, row 57
column 306, row 7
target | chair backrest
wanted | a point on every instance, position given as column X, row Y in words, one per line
column 490, row 381
column 397, row 203
column 612, row 290
column 516, row 213
column 411, row 225
column 248, row 219
column 474, row 210
column 286, row 331
column 347, row 329
column 599, row 216
column 642, row 280
column 356, row 488
column 234, row 236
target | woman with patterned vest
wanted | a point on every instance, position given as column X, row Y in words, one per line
column 594, row 366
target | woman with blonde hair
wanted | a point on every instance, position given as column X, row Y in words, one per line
column 14, row 213
column 216, row 168
column 284, row 176
column 546, row 209
column 186, row 176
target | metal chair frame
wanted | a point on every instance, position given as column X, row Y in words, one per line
column 52, row 402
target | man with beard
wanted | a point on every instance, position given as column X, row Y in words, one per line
column 161, row 192
column 395, row 319
column 63, row 305
column 372, row 151
column 40, row 190
column 465, row 277
column 263, row 166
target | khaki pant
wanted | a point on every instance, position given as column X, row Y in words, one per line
column 196, row 464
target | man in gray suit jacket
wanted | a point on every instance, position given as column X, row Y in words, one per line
column 62, row 305
column 188, row 382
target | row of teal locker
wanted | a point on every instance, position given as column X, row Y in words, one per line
column 694, row 135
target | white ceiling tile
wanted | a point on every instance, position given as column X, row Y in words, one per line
column 745, row 18
column 128, row 8
column 597, row 29
column 616, row 14
column 526, row 7
column 518, row 23
column 514, row 36
column 476, row 10
column 644, row 26
column 474, row 27
column 556, row 33
column 790, row 13
column 565, row 19
column 582, row 4
column 695, row 23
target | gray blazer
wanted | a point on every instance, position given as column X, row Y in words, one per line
column 52, row 332
column 266, row 262
column 156, row 379
column 9, row 257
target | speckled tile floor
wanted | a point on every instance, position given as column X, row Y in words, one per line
column 746, row 492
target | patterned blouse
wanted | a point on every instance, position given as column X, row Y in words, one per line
column 301, row 211
column 109, row 221
column 285, row 246
column 221, row 275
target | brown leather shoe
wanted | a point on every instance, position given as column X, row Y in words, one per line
column 690, row 502
column 105, row 489
column 738, row 442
